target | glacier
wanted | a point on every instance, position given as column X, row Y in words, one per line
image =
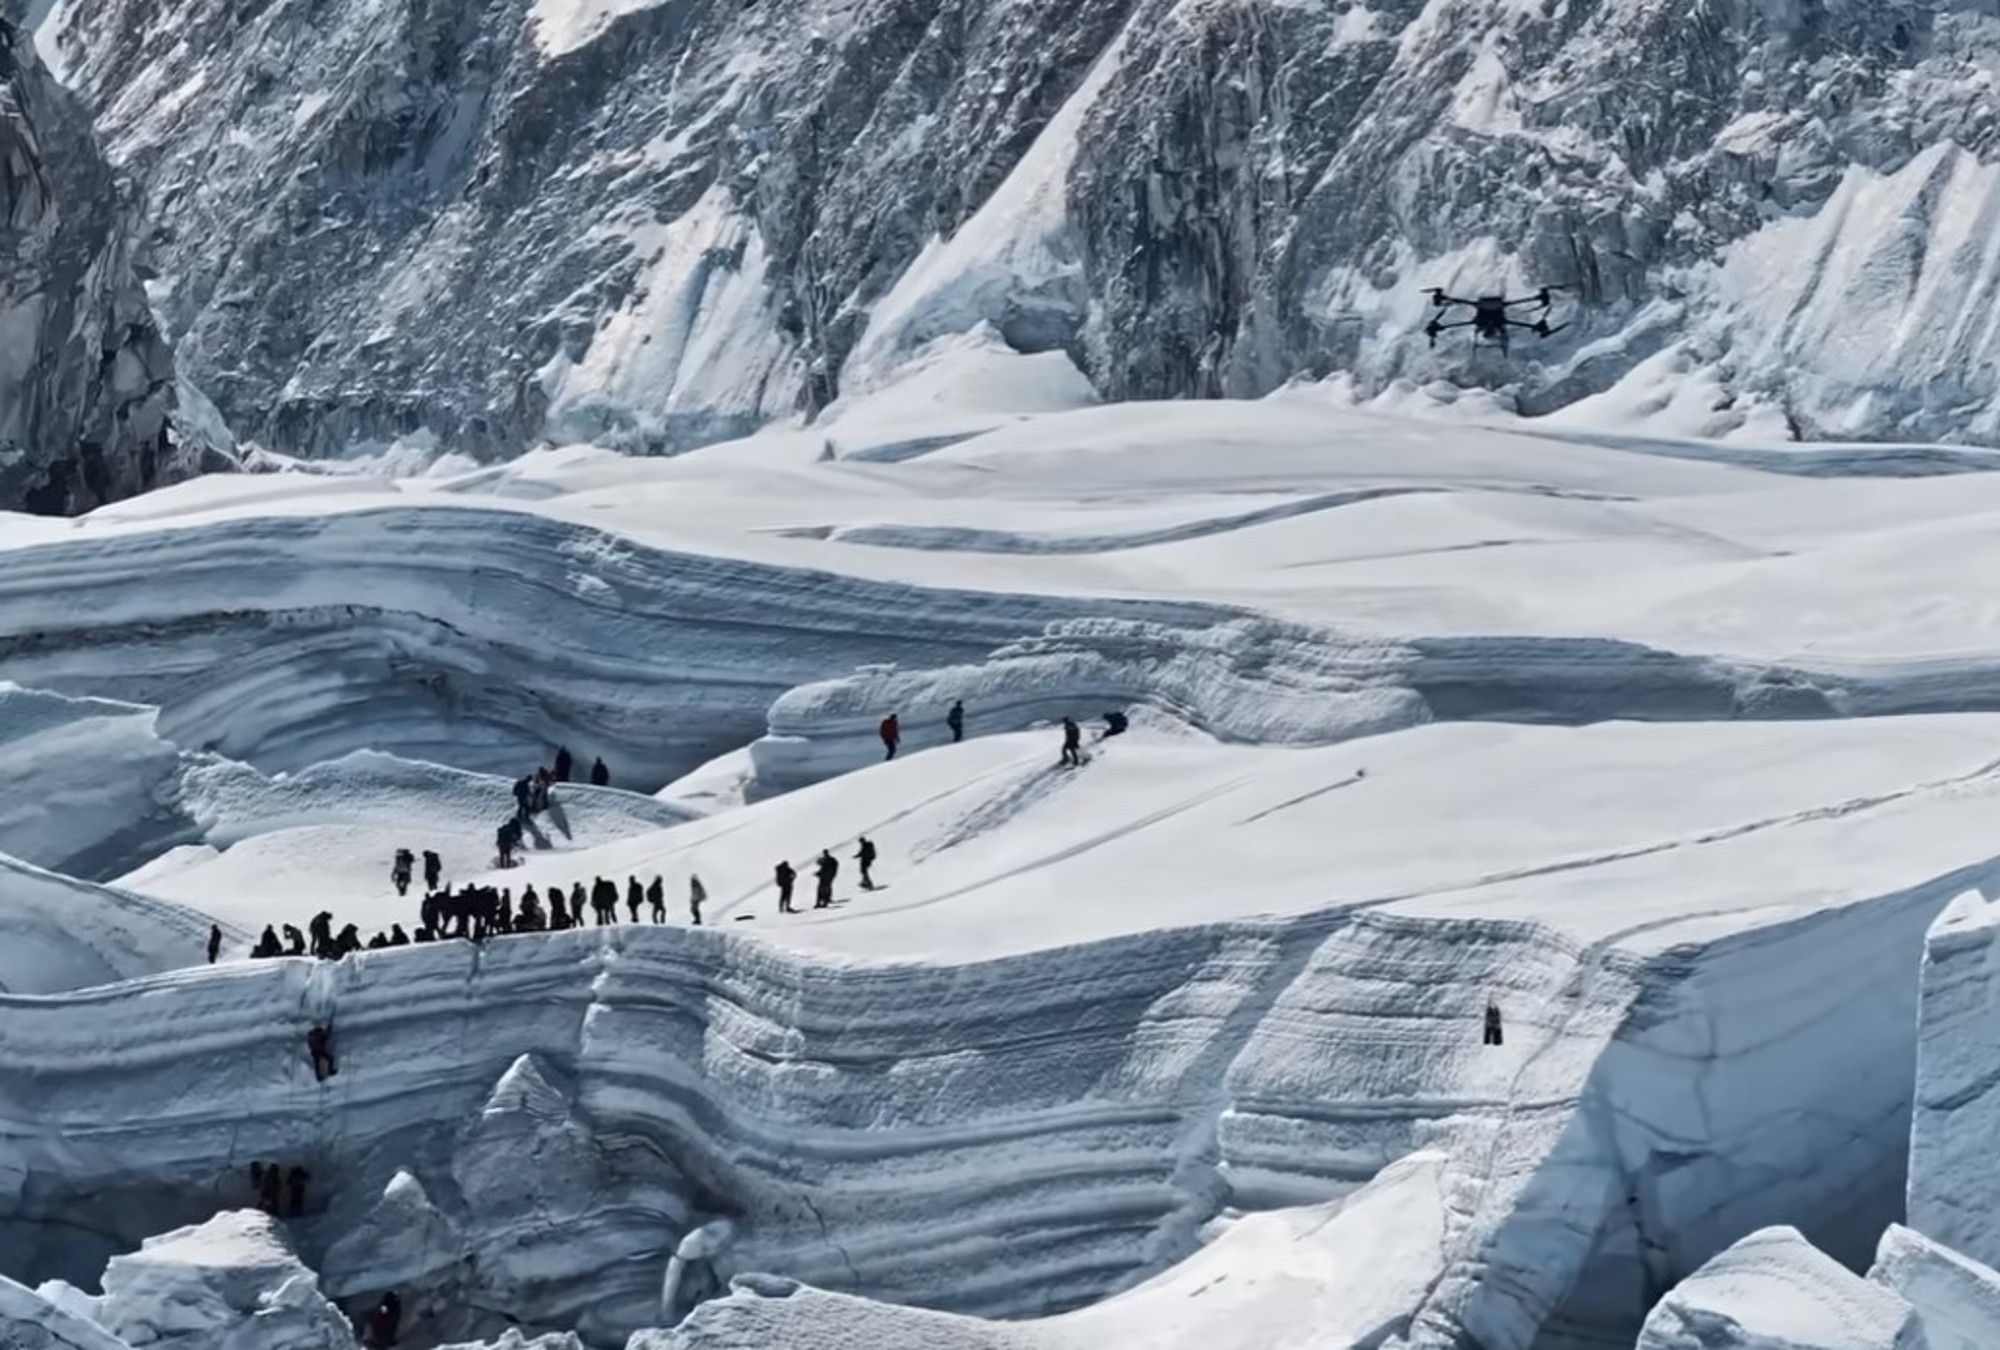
column 1180, row 1048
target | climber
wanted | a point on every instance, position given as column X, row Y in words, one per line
column 524, row 797
column 1114, row 723
column 786, row 875
column 270, row 1190
column 397, row 937
column 656, row 896
column 544, row 780
column 383, row 1322
column 599, row 775
column 321, row 929
column 1492, row 1022
column 295, row 941
column 576, row 906
column 604, row 901
column 891, row 735
column 1072, row 749
column 319, row 1044
column 378, row 942
column 267, row 945
column 295, row 1184
column 697, row 895
column 504, row 840
column 399, row 871
column 563, row 764
column 828, row 869
column 433, row 869
column 215, row 941
column 955, row 719
column 635, row 896
column 348, row 941
column 866, row 857
column 257, row 1178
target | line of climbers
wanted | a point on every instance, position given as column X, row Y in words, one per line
column 890, row 729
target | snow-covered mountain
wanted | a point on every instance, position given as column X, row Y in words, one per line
column 87, row 382
column 661, row 224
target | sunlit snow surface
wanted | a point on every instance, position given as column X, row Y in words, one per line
column 1670, row 753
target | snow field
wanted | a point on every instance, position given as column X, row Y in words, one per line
column 1422, row 719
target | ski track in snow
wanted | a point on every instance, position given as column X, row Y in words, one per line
column 1673, row 757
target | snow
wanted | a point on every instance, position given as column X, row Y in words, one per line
column 30, row 1321
column 1774, row 1291
column 232, row 1283
column 1675, row 755
column 1957, row 1298
column 1949, row 1189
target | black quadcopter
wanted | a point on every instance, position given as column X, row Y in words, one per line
column 1492, row 317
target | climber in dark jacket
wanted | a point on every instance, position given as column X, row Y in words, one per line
column 295, row 941
column 295, row 1183
column 399, row 870
column 270, row 1190
column 1072, row 747
column 829, row 868
column 635, row 896
column 786, row 875
column 891, row 734
column 866, row 858
column 1492, row 1023
column 319, row 1044
column 524, row 797
column 1114, row 723
column 215, row 941
column 267, row 945
column 955, row 719
column 656, row 896
column 562, row 766
column 383, row 1322
column 599, row 775
column 433, row 869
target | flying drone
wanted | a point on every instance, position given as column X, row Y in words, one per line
column 1493, row 317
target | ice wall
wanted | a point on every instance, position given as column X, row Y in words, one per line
column 1954, row 1192
column 903, row 1132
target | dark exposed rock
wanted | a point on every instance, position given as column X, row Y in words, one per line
column 666, row 223
column 87, row 381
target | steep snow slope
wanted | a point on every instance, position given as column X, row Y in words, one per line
column 665, row 224
column 64, row 934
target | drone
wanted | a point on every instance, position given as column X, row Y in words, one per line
column 1492, row 317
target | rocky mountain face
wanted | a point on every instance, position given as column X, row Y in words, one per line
column 663, row 223
column 87, row 381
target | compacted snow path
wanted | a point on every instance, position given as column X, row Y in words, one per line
column 1669, row 760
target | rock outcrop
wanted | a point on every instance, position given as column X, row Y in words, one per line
column 657, row 225
column 87, row 384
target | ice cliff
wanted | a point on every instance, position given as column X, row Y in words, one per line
column 661, row 224
column 87, row 382
column 532, row 1129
